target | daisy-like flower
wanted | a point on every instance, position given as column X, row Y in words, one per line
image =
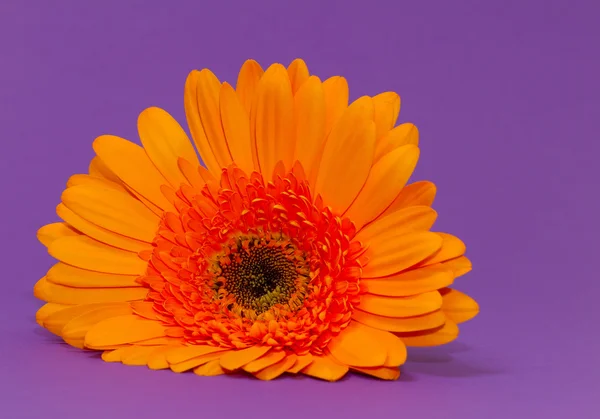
column 296, row 248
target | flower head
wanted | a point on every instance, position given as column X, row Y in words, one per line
column 297, row 247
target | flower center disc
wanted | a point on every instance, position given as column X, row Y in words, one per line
column 256, row 274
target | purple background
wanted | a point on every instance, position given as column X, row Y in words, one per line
column 504, row 94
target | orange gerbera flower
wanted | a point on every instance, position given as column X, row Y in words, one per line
column 297, row 248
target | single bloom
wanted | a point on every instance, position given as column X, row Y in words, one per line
column 296, row 247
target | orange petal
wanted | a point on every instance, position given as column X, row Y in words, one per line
column 346, row 160
column 54, row 293
column 51, row 232
column 70, row 276
column 387, row 108
column 325, row 368
column 394, row 348
column 452, row 247
column 186, row 353
column 457, row 306
column 415, row 305
column 386, row 179
column 402, row 135
column 75, row 343
column 118, row 353
column 440, row 336
column 77, row 180
column 99, row 233
column 418, row 193
column 86, row 253
column 46, row 310
column 155, row 209
column 132, row 165
column 210, row 369
column 270, row 358
column 192, row 113
column 298, row 74
column 115, row 355
column 247, row 83
column 191, row 173
column 99, row 169
column 391, row 252
column 459, row 266
column 161, row 341
column 236, row 359
column 385, row 373
column 336, row 100
column 272, row 119
column 195, row 362
column 121, row 330
column 144, row 309
column 358, row 345
column 165, row 141
column 401, row 324
column 58, row 320
column 138, row 355
column 411, row 282
column 113, row 210
column 236, row 127
column 158, row 359
column 301, row 362
column 416, row 218
column 275, row 370
column 309, row 120
column 207, row 90
column 77, row 327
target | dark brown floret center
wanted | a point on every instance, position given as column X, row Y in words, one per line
column 262, row 272
column 259, row 273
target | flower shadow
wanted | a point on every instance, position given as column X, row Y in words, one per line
column 452, row 360
column 48, row 337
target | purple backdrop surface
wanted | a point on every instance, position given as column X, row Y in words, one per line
column 504, row 94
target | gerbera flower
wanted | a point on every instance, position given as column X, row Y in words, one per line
column 297, row 248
